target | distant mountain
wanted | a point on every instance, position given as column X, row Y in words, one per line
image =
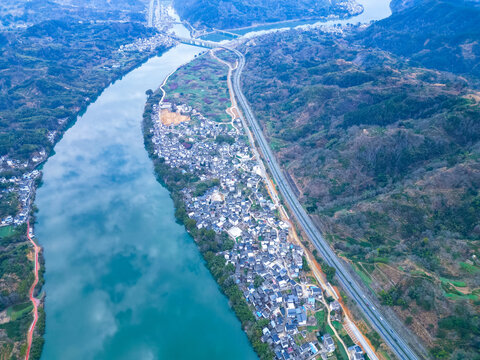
column 22, row 13
column 438, row 34
column 399, row 5
column 224, row 14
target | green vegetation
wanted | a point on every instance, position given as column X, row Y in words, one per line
column 17, row 330
column 375, row 339
column 463, row 325
column 363, row 275
column 469, row 268
column 384, row 151
column 202, row 187
column 38, row 341
column 18, row 310
column 16, row 275
column 208, row 241
column 392, row 297
column 414, row 33
column 328, row 270
column 258, row 281
column 340, row 352
column 53, row 70
column 6, row 231
column 8, row 207
column 55, row 60
column 201, row 84
column 320, row 316
column 226, row 55
column 453, row 282
column 224, row 139
column 14, row 265
column 337, row 325
column 238, row 13
column 305, row 266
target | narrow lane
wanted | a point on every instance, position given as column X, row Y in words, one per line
column 30, row 294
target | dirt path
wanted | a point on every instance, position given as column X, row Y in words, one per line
column 30, row 294
column 235, row 110
column 232, row 111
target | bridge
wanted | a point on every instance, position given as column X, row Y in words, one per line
column 223, row 32
column 198, row 42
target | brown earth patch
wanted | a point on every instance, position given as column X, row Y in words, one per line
column 474, row 96
column 424, row 324
column 168, row 117
column 4, row 318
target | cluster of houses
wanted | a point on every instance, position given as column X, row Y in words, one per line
column 24, row 188
column 148, row 44
column 267, row 265
column 351, row 7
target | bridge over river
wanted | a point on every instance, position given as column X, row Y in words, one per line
column 198, row 42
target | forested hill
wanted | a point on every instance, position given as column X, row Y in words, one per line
column 23, row 13
column 399, row 5
column 49, row 72
column 438, row 34
column 225, row 14
column 385, row 154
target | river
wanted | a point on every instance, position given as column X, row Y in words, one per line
column 123, row 279
column 373, row 10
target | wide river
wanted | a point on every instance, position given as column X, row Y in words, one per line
column 123, row 279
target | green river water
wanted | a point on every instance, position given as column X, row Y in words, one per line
column 123, row 279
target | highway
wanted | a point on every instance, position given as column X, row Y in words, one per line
column 390, row 336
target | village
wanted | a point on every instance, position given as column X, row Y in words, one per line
column 232, row 198
column 147, row 44
column 19, row 188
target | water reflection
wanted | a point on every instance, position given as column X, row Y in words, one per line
column 123, row 280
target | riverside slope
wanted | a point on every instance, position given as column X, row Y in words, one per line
column 396, row 343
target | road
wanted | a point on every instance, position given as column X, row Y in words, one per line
column 197, row 42
column 30, row 294
column 274, row 196
column 386, row 331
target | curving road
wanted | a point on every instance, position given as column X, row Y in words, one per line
column 391, row 337
column 30, row 294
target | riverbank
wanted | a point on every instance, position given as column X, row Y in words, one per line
column 33, row 299
column 220, row 205
column 124, row 280
column 175, row 181
column 252, row 13
column 35, row 340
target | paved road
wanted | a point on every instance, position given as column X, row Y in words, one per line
column 197, row 42
column 391, row 337
column 30, row 294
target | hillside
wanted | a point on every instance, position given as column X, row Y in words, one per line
column 400, row 5
column 49, row 72
column 227, row 14
column 442, row 35
column 385, row 156
column 24, row 13
column 53, row 65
